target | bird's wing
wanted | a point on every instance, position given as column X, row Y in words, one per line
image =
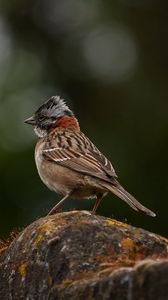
column 76, row 152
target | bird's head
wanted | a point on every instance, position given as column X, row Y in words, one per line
column 47, row 115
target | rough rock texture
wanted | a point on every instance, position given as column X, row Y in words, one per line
column 77, row 255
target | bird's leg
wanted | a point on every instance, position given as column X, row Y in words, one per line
column 98, row 200
column 54, row 209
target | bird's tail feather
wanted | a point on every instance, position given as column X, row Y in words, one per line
column 119, row 191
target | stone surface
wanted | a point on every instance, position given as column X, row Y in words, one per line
column 78, row 255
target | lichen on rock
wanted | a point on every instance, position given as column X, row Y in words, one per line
column 78, row 255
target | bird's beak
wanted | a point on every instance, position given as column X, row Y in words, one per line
column 30, row 121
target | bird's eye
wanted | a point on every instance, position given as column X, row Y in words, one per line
column 41, row 118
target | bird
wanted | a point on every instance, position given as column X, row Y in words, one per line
column 67, row 161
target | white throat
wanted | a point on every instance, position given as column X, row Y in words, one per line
column 40, row 132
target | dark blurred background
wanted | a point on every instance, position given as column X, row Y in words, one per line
column 109, row 59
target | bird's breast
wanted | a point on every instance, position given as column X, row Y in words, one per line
column 63, row 180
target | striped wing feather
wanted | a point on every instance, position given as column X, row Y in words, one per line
column 75, row 151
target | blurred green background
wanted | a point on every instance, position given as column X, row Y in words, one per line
column 109, row 59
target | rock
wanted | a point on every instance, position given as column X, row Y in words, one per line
column 78, row 255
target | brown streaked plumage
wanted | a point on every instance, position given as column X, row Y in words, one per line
column 69, row 163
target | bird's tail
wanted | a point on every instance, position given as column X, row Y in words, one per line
column 119, row 191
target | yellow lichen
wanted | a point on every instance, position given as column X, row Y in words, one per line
column 51, row 225
column 22, row 269
column 127, row 243
column 115, row 222
column 46, row 226
column 50, row 281
column 39, row 238
column 67, row 281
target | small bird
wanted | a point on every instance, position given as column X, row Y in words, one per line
column 69, row 163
